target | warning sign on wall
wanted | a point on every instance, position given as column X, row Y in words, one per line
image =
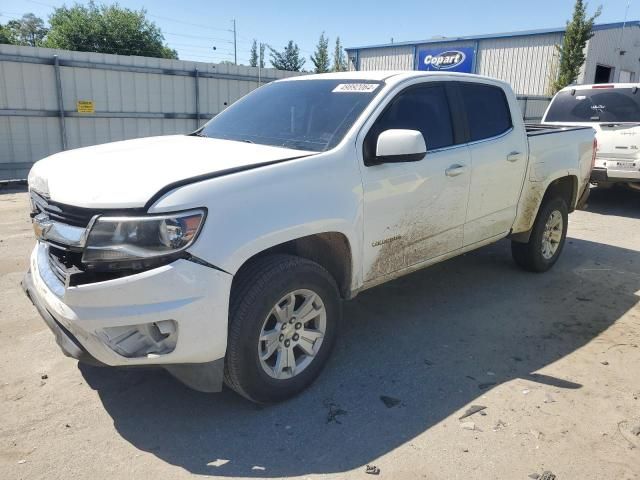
column 86, row 106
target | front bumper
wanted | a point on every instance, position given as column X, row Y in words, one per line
column 99, row 322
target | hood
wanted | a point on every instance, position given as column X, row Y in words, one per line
column 127, row 174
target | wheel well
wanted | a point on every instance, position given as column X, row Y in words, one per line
column 330, row 250
column 564, row 187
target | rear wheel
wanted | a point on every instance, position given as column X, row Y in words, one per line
column 283, row 324
column 547, row 238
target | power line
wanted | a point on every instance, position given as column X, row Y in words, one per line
column 197, row 37
column 189, row 23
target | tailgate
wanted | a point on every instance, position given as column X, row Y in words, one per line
column 618, row 141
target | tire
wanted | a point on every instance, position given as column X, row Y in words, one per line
column 263, row 295
column 533, row 256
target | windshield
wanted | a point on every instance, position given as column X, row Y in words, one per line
column 301, row 114
column 596, row 105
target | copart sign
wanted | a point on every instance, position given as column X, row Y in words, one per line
column 446, row 59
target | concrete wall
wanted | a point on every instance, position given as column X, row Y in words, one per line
column 133, row 97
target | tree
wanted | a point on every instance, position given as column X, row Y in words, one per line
column 106, row 29
column 29, row 30
column 6, row 35
column 253, row 57
column 339, row 61
column 288, row 59
column 256, row 57
column 320, row 58
column 572, row 57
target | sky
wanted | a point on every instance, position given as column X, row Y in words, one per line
column 194, row 27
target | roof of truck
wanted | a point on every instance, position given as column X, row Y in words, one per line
column 392, row 77
column 382, row 75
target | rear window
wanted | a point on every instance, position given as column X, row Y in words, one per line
column 595, row 105
column 487, row 110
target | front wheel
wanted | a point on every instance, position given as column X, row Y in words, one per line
column 284, row 316
column 547, row 238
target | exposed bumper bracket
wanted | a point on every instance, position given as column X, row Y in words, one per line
column 65, row 340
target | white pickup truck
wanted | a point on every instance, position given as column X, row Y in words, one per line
column 225, row 254
column 613, row 111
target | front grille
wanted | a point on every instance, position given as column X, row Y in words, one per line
column 65, row 260
column 59, row 212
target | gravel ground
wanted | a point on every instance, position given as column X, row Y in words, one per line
column 554, row 358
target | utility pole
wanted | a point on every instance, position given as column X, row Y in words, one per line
column 260, row 60
column 235, row 43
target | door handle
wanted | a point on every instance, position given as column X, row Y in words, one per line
column 455, row 170
column 513, row 157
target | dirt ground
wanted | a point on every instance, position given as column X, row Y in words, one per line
column 554, row 358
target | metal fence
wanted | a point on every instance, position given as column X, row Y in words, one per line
column 533, row 107
column 53, row 100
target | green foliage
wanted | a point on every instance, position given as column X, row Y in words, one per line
column 320, row 58
column 106, row 29
column 6, row 35
column 29, row 31
column 255, row 57
column 339, row 60
column 289, row 59
column 572, row 57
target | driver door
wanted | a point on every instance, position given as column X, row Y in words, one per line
column 415, row 211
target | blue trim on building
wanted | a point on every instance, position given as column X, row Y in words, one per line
column 524, row 33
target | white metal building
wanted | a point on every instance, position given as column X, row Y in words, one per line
column 528, row 60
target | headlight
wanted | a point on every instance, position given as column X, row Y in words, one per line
column 116, row 242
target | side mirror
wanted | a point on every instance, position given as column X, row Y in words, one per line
column 400, row 146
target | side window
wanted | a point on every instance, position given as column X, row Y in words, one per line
column 423, row 108
column 487, row 110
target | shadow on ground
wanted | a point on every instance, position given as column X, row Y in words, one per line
column 427, row 339
column 618, row 201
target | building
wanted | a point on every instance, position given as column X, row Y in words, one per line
column 528, row 60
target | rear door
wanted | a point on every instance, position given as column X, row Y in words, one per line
column 498, row 158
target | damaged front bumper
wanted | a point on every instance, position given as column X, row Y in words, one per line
column 174, row 317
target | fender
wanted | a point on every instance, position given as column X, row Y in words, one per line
column 254, row 210
column 530, row 200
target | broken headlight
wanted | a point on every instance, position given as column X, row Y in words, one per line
column 116, row 243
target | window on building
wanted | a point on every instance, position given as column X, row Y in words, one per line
column 603, row 74
column 487, row 110
column 424, row 108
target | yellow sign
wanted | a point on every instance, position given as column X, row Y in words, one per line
column 86, row 106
